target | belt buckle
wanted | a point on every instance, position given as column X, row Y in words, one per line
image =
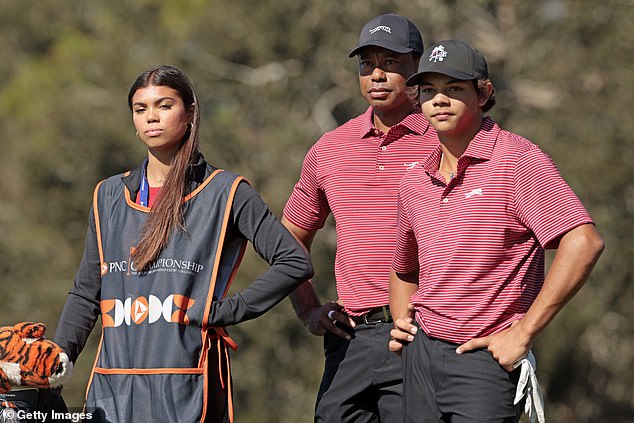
column 384, row 319
column 386, row 316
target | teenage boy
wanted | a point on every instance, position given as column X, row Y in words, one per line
column 353, row 172
column 474, row 219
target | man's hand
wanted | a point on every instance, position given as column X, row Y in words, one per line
column 326, row 318
column 403, row 332
column 507, row 347
column 317, row 318
column 578, row 251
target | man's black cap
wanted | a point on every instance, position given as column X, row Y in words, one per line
column 453, row 58
column 392, row 32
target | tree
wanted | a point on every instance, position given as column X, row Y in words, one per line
column 272, row 77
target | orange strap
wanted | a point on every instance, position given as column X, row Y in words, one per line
column 229, row 388
column 222, row 334
column 223, row 340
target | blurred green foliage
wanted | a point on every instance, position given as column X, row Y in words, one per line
column 271, row 77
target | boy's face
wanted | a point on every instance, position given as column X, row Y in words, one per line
column 452, row 106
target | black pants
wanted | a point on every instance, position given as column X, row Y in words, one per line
column 442, row 386
column 218, row 395
column 362, row 379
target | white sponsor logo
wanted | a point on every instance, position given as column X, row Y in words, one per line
column 477, row 191
column 159, row 265
column 438, row 54
column 381, row 28
column 411, row 165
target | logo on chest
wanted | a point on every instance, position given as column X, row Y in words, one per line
column 135, row 311
column 168, row 265
column 474, row 193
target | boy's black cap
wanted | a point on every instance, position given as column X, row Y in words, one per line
column 393, row 32
column 453, row 58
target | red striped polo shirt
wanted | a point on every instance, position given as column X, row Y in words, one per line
column 353, row 172
column 479, row 241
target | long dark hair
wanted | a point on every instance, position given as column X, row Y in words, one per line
column 167, row 213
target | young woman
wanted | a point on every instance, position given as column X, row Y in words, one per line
column 163, row 244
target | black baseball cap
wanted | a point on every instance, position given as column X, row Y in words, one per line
column 453, row 58
column 393, row 32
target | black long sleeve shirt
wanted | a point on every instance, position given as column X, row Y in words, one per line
column 250, row 219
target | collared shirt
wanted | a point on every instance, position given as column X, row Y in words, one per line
column 478, row 242
column 353, row 172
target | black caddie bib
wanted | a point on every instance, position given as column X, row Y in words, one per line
column 153, row 355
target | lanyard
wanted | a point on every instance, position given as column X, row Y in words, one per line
column 144, row 190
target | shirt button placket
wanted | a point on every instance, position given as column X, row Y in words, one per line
column 382, row 148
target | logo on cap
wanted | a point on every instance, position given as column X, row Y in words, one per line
column 438, row 54
column 381, row 28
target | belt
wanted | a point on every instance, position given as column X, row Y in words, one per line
column 374, row 316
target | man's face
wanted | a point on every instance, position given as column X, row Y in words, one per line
column 382, row 77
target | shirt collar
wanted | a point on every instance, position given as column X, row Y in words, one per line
column 132, row 179
column 480, row 147
column 415, row 123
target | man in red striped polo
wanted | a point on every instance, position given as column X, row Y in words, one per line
column 474, row 220
column 353, row 172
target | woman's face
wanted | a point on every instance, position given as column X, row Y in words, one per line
column 160, row 118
